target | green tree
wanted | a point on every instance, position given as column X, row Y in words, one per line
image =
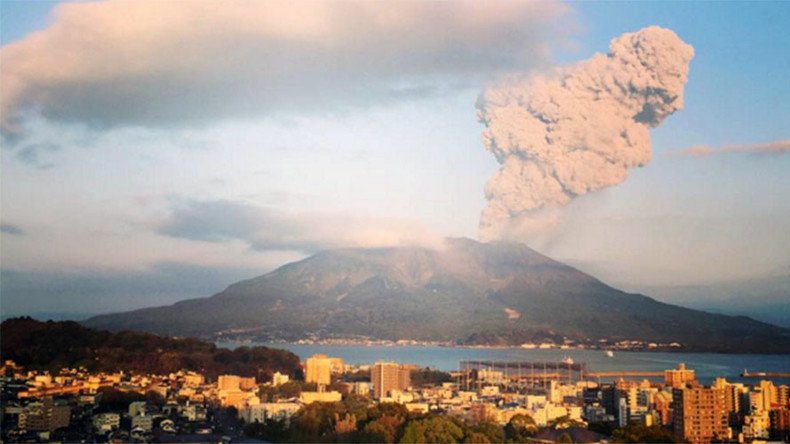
column 642, row 433
column 385, row 429
column 357, row 405
column 389, row 409
column 520, row 428
column 428, row 376
column 274, row 430
column 315, row 421
column 491, row 430
column 563, row 422
column 477, row 438
column 435, row 429
column 154, row 398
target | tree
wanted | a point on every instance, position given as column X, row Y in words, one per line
column 290, row 389
column 357, row 405
column 520, row 428
column 346, row 424
column 385, row 429
column 428, row 376
column 435, row 429
column 563, row 422
column 274, row 430
column 642, row 433
column 154, row 398
column 491, row 430
column 316, row 420
column 389, row 409
column 477, row 438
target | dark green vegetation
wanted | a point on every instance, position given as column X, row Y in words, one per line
column 468, row 292
column 642, row 433
column 54, row 345
column 429, row 377
column 354, row 421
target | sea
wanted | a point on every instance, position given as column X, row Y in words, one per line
column 707, row 366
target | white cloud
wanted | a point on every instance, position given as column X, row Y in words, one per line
column 159, row 63
column 265, row 229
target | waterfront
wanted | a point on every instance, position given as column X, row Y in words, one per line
column 707, row 365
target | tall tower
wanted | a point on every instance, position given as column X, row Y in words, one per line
column 318, row 369
column 700, row 414
column 388, row 376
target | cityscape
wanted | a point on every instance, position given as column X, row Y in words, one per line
column 331, row 401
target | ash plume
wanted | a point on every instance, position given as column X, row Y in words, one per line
column 577, row 129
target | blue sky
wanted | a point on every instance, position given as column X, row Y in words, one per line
column 96, row 194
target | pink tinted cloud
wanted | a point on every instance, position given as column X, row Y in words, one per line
column 777, row 147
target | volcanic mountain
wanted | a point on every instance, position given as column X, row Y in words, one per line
column 466, row 292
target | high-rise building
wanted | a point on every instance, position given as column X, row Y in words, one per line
column 780, row 424
column 732, row 396
column 318, row 369
column 679, row 377
column 388, row 376
column 770, row 394
column 700, row 414
column 44, row 416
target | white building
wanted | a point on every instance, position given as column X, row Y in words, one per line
column 105, row 422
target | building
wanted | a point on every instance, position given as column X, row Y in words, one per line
column 387, row 376
column 193, row 379
column 105, row 422
column 137, row 408
column 143, row 423
column 780, row 424
column 757, row 425
column 280, row 411
column 279, row 379
column 44, row 416
column 311, row 397
column 679, row 377
column 318, row 369
column 732, row 395
column 229, row 383
column 253, row 413
column 247, row 384
column 700, row 414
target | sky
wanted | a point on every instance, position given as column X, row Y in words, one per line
column 157, row 151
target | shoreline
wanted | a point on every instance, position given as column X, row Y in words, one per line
column 398, row 344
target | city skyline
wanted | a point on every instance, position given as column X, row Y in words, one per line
column 166, row 177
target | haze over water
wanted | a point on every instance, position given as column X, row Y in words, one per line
column 706, row 365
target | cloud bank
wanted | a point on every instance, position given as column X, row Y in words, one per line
column 578, row 129
column 121, row 63
column 265, row 229
column 778, row 147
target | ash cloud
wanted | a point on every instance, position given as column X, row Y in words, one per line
column 576, row 129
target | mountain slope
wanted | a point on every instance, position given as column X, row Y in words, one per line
column 468, row 292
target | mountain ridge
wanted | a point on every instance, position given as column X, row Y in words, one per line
column 466, row 292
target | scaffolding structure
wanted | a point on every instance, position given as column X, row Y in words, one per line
column 525, row 374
